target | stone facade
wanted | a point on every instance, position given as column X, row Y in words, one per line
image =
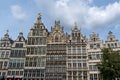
column 35, row 59
column 77, row 67
column 17, row 58
column 53, row 55
column 95, row 44
column 5, row 50
column 56, row 54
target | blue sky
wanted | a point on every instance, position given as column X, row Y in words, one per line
column 100, row 16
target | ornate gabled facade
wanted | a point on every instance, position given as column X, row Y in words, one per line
column 17, row 58
column 57, row 34
column 112, row 42
column 77, row 67
column 56, row 54
column 5, row 50
column 53, row 55
column 95, row 44
column 35, row 61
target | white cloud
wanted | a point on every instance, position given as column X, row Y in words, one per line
column 18, row 12
column 82, row 11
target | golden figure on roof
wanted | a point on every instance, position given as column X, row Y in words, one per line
column 39, row 15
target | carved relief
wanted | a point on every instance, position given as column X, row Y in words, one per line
column 57, row 34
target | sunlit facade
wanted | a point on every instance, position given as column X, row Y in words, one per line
column 5, row 50
column 53, row 55
column 17, row 58
column 35, row 59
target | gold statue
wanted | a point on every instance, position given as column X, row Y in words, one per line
column 39, row 15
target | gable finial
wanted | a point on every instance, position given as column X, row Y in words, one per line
column 75, row 24
column 7, row 31
column 39, row 15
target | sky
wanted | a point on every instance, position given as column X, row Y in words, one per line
column 99, row 16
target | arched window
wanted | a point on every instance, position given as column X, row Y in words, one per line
column 20, row 39
column 56, row 39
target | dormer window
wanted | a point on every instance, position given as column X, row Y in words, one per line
column 79, row 34
column 94, row 46
column 75, row 34
column 19, row 45
column 72, row 34
column 98, row 45
column 111, row 39
column 112, row 45
column 20, row 39
column 94, row 39
column 115, row 44
column 56, row 39
column 41, row 27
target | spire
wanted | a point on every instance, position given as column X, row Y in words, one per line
column 75, row 24
column 21, row 32
column 6, row 34
column 110, row 32
column 7, row 31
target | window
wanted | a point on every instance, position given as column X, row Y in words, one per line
column 19, row 45
column 5, row 64
column 112, row 46
column 91, row 76
column 20, row 39
column 1, row 63
column 56, row 39
column 111, row 39
column 69, row 64
column 98, row 45
column 7, row 54
column 85, row 74
column 21, row 72
column 13, row 72
column 74, row 49
column 94, row 46
column 17, row 72
column 84, row 65
column 4, row 73
column 94, row 39
column 94, row 67
column 2, row 55
column 79, row 65
column 90, row 67
column 69, row 49
column 74, row 73
column 115, row 44
column 74, row 64
column 80, row 73
column 91, row 46
column 79, row 50
column 69, row 73
column 72, row 34
column 84, row 49
column 90, row 56
column 95, row 76
column 98, row 56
